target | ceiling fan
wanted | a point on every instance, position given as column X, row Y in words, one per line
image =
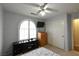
column 42, row 9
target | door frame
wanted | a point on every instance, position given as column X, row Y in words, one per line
column 72, row 34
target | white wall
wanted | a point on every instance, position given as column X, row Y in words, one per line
column 56, row 28
column 1, row 29
column 11, row 29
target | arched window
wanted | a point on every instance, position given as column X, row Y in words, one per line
column 27, row 30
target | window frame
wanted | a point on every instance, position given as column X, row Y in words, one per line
column 28, row 28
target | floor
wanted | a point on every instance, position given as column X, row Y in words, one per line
column 62, row 52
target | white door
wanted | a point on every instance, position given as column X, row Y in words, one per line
column 55, row 30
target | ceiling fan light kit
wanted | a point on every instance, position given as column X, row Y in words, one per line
column 42, row 13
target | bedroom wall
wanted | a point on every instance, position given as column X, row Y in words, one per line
column 57, row 28
column 1, row 28
column 11, row 29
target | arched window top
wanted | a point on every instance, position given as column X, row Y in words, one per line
column 23, row 24
column 27, row 30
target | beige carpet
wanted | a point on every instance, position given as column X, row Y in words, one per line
column 62, row 52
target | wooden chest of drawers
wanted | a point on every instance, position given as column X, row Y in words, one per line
column 42, row 37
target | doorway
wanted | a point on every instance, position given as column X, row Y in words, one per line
column 75, row 34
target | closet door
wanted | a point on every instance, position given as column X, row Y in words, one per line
column 56, row 31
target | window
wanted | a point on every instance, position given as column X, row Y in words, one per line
column 27, row 30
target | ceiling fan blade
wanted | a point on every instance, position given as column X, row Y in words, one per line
column 39, row 11
column 50, row 9
column 36, row 12
column 33, row 13
column 45, row 4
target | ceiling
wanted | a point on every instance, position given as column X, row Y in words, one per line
column 27, row 8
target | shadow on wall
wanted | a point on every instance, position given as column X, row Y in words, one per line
column 8, row 51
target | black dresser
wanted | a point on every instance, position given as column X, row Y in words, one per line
column 23, row 46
